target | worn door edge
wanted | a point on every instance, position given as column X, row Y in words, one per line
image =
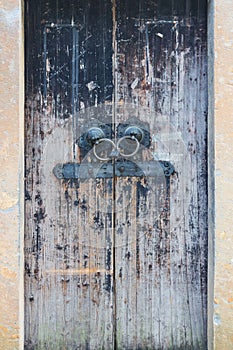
column 211, row 182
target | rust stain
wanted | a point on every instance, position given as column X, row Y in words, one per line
column 85, row 271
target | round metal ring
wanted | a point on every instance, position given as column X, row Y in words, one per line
column 128, row 138
column 97, row 143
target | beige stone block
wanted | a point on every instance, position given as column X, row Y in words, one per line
column 11, row 140
column 223, row 320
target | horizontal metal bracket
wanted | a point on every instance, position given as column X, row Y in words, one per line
column 119, row 168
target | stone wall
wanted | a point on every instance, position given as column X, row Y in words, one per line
column 11, row 173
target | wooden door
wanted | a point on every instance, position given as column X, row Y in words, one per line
column 116, row 261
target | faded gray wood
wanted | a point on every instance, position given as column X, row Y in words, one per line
column 116, row 263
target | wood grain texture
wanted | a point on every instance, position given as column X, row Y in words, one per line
column 161, row 275
column 68, row 242
column 116, row 263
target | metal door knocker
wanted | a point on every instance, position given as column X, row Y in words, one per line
column 131, row 139
column 116, row 149
column 100, row 144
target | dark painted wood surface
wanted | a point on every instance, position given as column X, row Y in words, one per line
column 116, row 263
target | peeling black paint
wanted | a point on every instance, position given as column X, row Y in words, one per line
column 27, row 196
column 39, row 215
column 98, row 221
column 142, row 191
column 109, row 259
column 108, row 283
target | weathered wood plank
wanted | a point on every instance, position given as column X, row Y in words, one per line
column 68, row 240
column 161, row 67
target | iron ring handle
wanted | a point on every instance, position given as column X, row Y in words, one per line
column 102, row 140
column 129, row 138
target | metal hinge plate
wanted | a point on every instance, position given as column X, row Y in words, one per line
column 119, row 168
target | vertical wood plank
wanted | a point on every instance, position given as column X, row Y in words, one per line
column 68, row 241
column 161, row 74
